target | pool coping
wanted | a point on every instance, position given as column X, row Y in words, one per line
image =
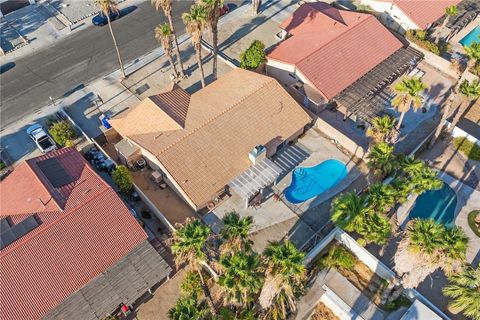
column 463, row 33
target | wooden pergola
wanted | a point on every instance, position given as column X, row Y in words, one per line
column 365, row 98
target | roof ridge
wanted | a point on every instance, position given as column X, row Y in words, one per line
column 21, row 241
column 216, row 116
column 328, row 16
column 338, row 36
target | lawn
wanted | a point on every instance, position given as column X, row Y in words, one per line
column 470, row 149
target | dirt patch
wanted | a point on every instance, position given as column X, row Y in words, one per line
column 322, row 312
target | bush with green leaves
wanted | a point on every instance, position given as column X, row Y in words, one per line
column 121, row 176
column 62, row 133
column 420, row 38
column 190, row 285
column 338, row 257
column 254, row 56
column 2, row 165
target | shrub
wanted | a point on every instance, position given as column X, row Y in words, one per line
column 401, row 301
column 190, row 286
column 2, row 165
column 63, row 133
column 338, row 257
column 420, row 38
column 254, row 56
column 123, row 179
column 470, row 149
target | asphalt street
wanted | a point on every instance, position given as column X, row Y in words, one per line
column 79, row 59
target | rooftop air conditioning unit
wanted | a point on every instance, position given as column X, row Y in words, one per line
column 257, row 154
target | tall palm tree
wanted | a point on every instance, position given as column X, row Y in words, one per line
column 410, row 165
column 187, row 308
column 285, row 277
column 374, row 227
column 240, row 279
column 108, row 6
column 423, row 180
column 381, row 159
column 464, row 289
column 381, row 129
column 425, row 249
column 195, row 23
column 166, row 6
column 470, row 91
column 235, row 233
column 449, row 12
column 408, row 95
column 347, row 209
column 213, row 7
column 188, row 245
column 163, row 34
column 381, row 197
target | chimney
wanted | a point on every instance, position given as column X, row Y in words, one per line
column 257, row 154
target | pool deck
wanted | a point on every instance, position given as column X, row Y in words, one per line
column 468, row 199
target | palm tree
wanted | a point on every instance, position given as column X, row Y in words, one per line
column 374, row 227
column 235, row 233
column 213, row 7
column 108, row 6
column 381, row 197
column 190, row 285
column 285, row 277
column 195, row 23
column 346, row 210
column 166, row 6
column 240, row 279
column 410, row 165
column 163, row 34
column 427, row 246
column 381, row 159
column 465, row 291
column 423, row 180
column 469, row 91
column 449, row 12
column 381, row 129
column 188, row 308
column 188, row 244
column 408, row 95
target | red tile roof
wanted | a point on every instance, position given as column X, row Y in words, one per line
column 333, row 48
column 423, row 12
column 88, row 230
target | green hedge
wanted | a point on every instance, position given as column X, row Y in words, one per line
column 470, row 149
column 121, row 176
column 62, row 133
column 419, row 37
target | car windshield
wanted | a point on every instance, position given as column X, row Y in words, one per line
column 44, row 142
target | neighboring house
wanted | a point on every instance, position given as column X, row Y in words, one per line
column 70, row 248
column 403, row 15
column 332, row 55
column 200, row 142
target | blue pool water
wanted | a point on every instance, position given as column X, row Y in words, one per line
column 310, row 182
column 473, row 36
column 437, row 204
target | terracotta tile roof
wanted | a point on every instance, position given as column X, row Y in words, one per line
column 70, row 246
column 423, row 12
column 224, row 122
column 333, row 48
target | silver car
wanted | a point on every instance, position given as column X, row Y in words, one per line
column 43, row 141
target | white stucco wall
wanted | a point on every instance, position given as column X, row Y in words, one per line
column 391, row 15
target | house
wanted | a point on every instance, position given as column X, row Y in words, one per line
column 403, row 15
column 70, row 248
column 199, row 142
column 345, row 58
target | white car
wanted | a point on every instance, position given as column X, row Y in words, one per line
column 43, row 141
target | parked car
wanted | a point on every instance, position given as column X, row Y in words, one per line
column 43, row 141
column 101, row 19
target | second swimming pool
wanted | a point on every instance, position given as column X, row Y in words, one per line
column 312, row 181
column 472, row 37
column 436, row 204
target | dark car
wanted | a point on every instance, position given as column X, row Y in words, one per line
column 101, row 19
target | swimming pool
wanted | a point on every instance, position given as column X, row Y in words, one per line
column 436, row 204
column 312, row 181
column 473, row 36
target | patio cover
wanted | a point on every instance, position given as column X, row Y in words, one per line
column 255, row 178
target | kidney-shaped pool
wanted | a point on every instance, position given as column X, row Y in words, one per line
column 308, row 182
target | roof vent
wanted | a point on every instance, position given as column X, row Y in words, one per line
column 257, row 154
